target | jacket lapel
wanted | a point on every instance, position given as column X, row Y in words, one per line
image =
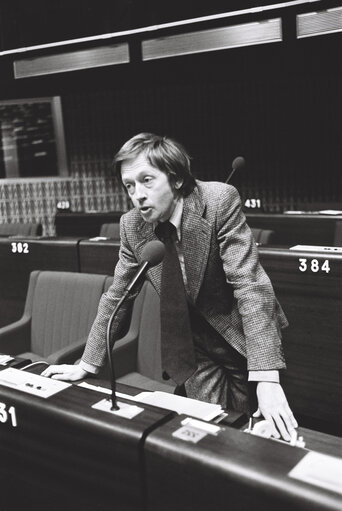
column 196, row 237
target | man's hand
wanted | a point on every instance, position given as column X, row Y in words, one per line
column 65, row 372
column 274, row 407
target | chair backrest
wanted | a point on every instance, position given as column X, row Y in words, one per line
column 63, row 306
column 262, row 236
column 14, row 229
column 146, row 317
column 110, row 230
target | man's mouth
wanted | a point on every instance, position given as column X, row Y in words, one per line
column 145, row 209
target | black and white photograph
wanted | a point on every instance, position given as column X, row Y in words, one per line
column 171, row 255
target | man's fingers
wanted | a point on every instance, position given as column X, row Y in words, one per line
column 274, row 432
column 62, row 377
column 257, row 413
column 294, row 423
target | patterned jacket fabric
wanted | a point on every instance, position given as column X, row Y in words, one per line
column 226, row 282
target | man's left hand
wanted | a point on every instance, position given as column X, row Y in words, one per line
column 274, row 407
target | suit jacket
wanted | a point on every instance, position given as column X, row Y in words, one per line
column 226, row 282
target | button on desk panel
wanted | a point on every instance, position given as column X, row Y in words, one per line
column 20, row 256
column 63, row 454
column 233, row 470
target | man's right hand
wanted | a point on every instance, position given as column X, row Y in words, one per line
column 65, row 372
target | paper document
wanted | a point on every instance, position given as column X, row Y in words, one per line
column 320, row 470
column 179, row 404
column 330, row 212
column 31, row 383
column 317, row 248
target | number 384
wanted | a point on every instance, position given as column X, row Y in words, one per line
column 313, row 265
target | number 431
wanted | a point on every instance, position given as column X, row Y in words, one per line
column 313, row 265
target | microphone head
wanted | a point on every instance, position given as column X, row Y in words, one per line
column 153, row 252
column 238, row 163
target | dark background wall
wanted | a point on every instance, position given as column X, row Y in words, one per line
column 279, row 105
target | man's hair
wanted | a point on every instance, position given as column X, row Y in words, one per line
column 164, row 154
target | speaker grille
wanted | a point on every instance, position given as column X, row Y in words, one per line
column 319, row 23
column 72, row 61
column 247, row 34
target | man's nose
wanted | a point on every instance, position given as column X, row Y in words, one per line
column 140, row 192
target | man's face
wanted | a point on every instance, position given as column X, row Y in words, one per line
column 149, row 189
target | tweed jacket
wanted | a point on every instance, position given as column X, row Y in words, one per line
column 225, row 280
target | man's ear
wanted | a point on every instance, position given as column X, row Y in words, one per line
column 179, row 183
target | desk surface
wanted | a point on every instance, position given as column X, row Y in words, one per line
column 65, row 453
column 232, row 470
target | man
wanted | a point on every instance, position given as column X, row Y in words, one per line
column 234, row 315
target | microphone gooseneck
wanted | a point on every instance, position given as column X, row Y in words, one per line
column 238, row 163
column 152, row 255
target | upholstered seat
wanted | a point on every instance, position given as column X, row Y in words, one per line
column 110, row 230
column 137, row 356
column 262, row 236
column 28, row 229
column 59, row 310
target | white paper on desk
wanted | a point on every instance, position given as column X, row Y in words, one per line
column 31, row 383
column 320, row 470
column 330, row 212
column 180, row 404
column 317, row 248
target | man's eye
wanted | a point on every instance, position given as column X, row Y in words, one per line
column 129, row 187
column 147, row 179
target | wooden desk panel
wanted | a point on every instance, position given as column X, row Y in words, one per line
column 82, row 223
column 312, row 302
column 98, row 256
column 303, row 229
column 65, row 455
column 233, row 470
column 20, row 256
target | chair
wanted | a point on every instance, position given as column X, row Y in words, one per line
column 59, row 310
column 18, row 229
column 110, row 230
column 262, row 236
column 137, row 356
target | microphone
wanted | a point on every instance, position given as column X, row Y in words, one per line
column 238, row 163
column 152, row 254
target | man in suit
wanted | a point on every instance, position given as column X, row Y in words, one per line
column 235, row 318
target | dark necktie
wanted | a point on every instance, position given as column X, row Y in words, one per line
column 177, row 349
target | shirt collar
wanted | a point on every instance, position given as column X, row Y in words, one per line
column 176, row 217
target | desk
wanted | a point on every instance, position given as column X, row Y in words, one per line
column 63, row 454
column 82, row 223
column 233, row 470
column 98, row 256
column 20, row 256
column 312, row 301
column 302, row 229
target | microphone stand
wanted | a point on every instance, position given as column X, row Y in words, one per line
column 230, row 175
column 115, row 405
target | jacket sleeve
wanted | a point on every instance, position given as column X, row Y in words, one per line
column 262, row 316
column 95, row 350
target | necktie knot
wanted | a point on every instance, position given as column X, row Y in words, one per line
column 166, row 232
